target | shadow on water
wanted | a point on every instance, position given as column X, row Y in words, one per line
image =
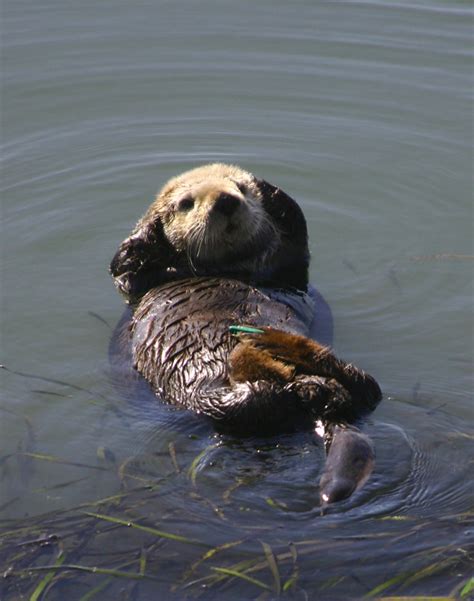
column 196, row 515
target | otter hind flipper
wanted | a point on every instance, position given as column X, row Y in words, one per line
column 349, row 463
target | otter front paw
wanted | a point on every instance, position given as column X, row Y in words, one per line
column 134, row 285
column 129, row 267
column 142, row 260
column 131, row 255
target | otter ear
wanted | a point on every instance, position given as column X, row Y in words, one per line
column 141, row 260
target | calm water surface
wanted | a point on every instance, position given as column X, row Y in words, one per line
column 359, row 110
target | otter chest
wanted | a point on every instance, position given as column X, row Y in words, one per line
column 180, row 331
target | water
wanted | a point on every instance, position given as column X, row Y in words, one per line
column 359, row 110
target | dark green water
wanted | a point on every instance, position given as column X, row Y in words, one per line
column 359, row 110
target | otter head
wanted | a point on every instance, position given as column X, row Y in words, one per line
column 214, row 220
column 214, row 216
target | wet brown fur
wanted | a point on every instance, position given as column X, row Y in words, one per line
column 292, row 354
column 281, row 356
column 249, row 364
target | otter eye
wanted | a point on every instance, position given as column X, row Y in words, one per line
column 186, row 204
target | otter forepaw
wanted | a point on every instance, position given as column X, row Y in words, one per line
column 128, row 267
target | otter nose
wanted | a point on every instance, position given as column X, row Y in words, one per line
column 226, row 204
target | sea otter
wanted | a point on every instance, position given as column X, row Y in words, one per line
column 216, row 273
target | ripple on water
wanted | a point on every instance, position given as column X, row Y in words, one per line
column 361, row 111
column 419, row 471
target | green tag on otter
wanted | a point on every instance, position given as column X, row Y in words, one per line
column 245, row 330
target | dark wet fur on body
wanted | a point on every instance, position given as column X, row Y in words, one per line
column 251, row 384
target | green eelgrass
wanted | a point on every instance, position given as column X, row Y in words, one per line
column 148, row 529
column 47, row 579
column 272, row 564
column 236, row 574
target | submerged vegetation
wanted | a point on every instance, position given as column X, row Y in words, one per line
column 169, row 532
column 126, row 541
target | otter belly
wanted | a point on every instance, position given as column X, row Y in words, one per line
column 180, row 331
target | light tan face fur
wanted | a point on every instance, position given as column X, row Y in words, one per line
column 211, row 212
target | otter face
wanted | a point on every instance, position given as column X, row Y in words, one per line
column 214, row 220
column 212, row 214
